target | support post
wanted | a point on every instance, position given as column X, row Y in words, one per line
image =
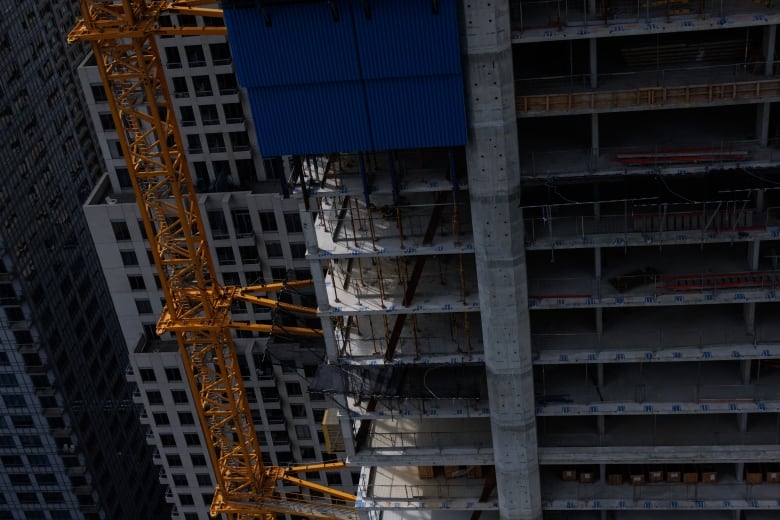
column 594, row 65
column 594, row 139
column 770, row 36
column 492, row 158
column 744, row 369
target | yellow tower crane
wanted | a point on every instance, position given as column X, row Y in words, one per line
column 123, row 36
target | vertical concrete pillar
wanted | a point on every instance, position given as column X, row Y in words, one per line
column 603, row 473
column 594, row 64
column 600, row 375
column 492, row 159
column 760, row 199
column 762, row 123
column 744, row 371
column 740, row 471
column 742, row 420
column 599, row 321
column 600, row 424
column 770, row 37
column 594, row 139
column 749, row 315
column 754, row 249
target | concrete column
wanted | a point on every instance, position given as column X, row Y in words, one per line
column 594, row 64
column 594, row 139
column 760, row 199
column 770, row 37
column 742, row 420
column 762, row 123
column 740, row 471
column 754, row 248
column 600, row 375
column 492, row 159
column 600, row 424
column 599, row 321
column 749, row 314
column 603, row 473
column 744, row 371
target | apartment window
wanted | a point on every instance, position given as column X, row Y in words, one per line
column 193, row 143
column 27, row 498
column 147, row 374
column 53, row 497
column 303, row 433
column 179, row 479
column 195, row 56
column 179, row 396
column 180, row 89
column 4, row 361
column 298, row 410
column 298, row 250
column 202, row 86
column 198, row 459
column 216, row 143
column 22, row 421
column 19, row 479
column 186, row 499
column 243, row 223
column 154, row 397
column 226, row 83
column 11, row 461
column 268, row 221
column 293, row 389
column 172, row 57
column 293, row 223
column 129, row 258
column 186, row 20
column 187, row 116
column 173, row 374
column 278, row 273
column 192, row 439
column 8, row 380
column 209, row 114
column 220, row 53
column 107, row 121
column 274, row 249
column 123, row 177
column 249, row 255
column 136, row 282
column 161, row 419
column 38, row 460
column 233, row 113
column 143, row 306
column 14, row 401
column 186, row 418
column 45, row 479
column 225, row 256
column 98, row 93
column 204, row 479
column 121, row 231
column 167, row 440
column 30, row 441
column 174, row 461
column 239, row 141
column 231, row 278
column 253, row 277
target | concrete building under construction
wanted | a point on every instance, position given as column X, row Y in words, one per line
column 544, row 242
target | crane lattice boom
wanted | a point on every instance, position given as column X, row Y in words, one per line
column 123, row 36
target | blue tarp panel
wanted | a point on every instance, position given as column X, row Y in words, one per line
column 308, row 119
column 325, row 77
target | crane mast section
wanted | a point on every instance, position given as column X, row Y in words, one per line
column 141, row 105
column 122, row 34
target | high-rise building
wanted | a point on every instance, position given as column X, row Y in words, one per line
column 71, row 443
column 544, row 247
column 256, row 236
